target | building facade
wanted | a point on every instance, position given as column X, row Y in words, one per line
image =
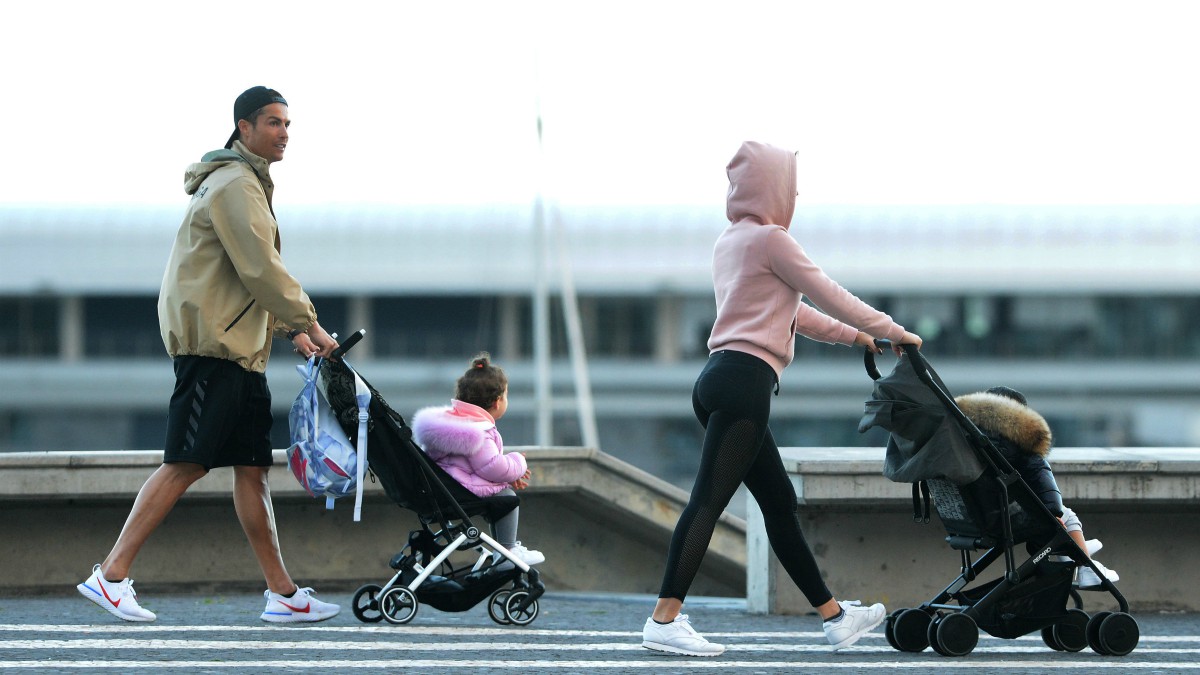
column 1092, row 312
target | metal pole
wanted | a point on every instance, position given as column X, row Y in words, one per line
column 570, row 305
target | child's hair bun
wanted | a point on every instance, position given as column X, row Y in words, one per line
column 481, row 360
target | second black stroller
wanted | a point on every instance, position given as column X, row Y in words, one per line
column 423, row 571
column 984, row 505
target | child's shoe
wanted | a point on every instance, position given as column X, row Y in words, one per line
column 118, row 598
column 527, row 555
column 1088, row 579
column 678, row 637
column 855, row 622
column 300, row 608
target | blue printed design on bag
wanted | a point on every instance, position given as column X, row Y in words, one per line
column 321, row 456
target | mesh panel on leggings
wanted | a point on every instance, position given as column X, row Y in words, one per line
column 716, row 483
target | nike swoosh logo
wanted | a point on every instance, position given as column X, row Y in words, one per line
column 100, row 583
column 296, row 609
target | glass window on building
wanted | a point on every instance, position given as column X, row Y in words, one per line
column 620, row 327
column 121, row 327
column 1055, row 326
column 435, row 327
column 29, row 327
column 1151, row 326
column 332, row 313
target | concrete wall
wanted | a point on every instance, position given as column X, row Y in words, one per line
column 603, row 525
column 1141, row 502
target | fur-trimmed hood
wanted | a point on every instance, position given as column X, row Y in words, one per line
column 1002, row 416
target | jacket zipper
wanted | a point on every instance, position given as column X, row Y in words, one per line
column 239, row 317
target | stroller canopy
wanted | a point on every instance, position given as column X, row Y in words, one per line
column 925, row 440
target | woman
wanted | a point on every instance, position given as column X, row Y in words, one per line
column 760, row 275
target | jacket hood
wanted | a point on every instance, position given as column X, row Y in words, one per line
column 440, row 432
column 196, row 173
column 762, row 185
column 1002, row 416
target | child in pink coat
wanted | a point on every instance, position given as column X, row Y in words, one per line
column 462, row 439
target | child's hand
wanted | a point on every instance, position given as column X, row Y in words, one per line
column 522, row 482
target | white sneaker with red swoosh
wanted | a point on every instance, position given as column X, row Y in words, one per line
column 301, row 607
column 118, row 598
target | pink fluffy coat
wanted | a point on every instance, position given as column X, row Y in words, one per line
column 463, row 440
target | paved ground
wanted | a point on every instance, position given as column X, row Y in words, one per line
column 572, row 634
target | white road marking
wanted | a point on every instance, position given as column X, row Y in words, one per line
column 127, row 644
column 441, row 665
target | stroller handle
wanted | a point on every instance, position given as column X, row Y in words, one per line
column 348, row 344
column 914, row 355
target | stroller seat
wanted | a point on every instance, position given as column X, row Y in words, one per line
column 423, row 570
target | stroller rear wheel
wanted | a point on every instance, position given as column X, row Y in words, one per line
column 366, row 604
column 954, row 635
column 496, row 607
column 399, row 605
column 910, row 630
column 516, row 615
column 1112, row 633
column 1071, row 632
column 889, row 628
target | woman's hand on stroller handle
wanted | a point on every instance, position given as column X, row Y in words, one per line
column 911, row 342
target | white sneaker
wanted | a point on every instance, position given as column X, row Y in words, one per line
column 678, row 637
column 855, row 622
column 528, row 556
column 118, row 598
column 1093, row 546
column 301, row 607
column 1088, row 579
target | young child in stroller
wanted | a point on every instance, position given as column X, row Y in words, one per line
column 463, row 440
column 1023, row 437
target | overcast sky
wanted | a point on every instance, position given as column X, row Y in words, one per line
column 643, row 102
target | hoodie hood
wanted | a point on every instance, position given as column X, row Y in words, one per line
column 762, row 185
column 1002, row 416
column 196, row 173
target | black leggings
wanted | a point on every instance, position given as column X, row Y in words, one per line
column 732, row 399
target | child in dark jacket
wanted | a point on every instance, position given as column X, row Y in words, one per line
column 1023, row 437
column 462, row 439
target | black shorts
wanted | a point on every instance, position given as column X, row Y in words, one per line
column 220, row 415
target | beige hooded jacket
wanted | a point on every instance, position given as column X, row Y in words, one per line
column 225, row 288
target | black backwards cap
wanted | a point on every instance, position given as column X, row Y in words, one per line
column 250, row 100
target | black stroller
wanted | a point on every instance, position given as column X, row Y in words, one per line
column 985, row 506
column 423, row 570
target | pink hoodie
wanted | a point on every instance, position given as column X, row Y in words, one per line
column 463, row 440
column 760, row 273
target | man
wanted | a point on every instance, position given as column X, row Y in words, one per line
column 224, row 293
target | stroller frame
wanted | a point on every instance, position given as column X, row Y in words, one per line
column 423, row 570
column 953, row 629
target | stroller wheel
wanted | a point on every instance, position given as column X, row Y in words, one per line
column 889, row 628
column 1071, row 633
column 516, row 615
column 1050, row 640
column 954, row 635
column 496, row 607
column 1118, row 634
column 1093, row 632
column 931, row 633
column 366, row 604
column 910, row 630
column 399, row 605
